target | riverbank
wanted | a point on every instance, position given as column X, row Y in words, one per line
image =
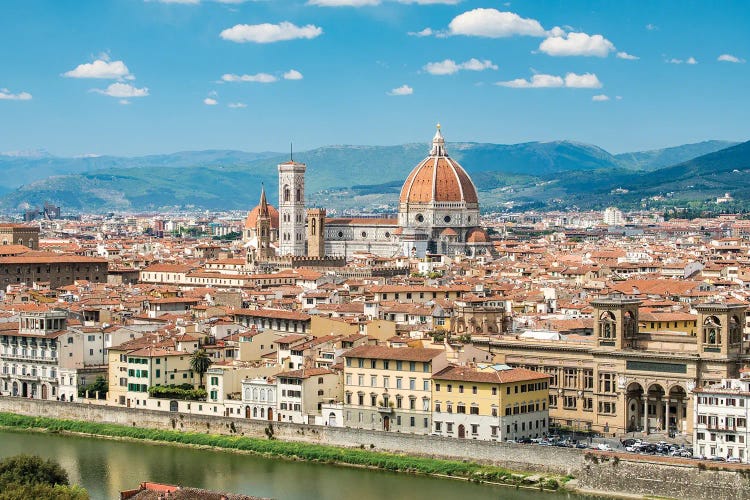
column 272, row 447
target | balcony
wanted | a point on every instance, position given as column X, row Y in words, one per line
column 28, row 358
column 385, row 409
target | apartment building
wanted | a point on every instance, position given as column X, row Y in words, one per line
column 720, row 420
column 389, row 388
column 489, row 402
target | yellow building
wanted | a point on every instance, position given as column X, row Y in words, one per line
column 389, row 388
column 489, row 402
column 668, row 322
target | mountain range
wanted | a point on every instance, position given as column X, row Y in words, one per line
column 545, row 174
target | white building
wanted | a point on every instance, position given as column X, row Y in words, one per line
column 613, row 216
column 720, row 420
column 259, row 398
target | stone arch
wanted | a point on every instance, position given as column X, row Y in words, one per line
column 607, row 325
column 735, row 330
column 712, row 330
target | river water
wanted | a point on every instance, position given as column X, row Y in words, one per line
column 106, row 467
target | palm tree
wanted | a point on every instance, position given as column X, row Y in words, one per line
column 199, row 363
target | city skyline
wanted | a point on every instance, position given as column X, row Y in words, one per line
column 135, row 77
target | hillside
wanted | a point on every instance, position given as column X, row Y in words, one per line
column 661, row 158
column 544, row 174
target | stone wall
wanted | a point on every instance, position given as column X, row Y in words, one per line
column 643, row 478
column 594, row 471
column 518, row 457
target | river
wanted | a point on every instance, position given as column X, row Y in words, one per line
column 105, row 467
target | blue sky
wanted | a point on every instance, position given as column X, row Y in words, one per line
column 131, row 77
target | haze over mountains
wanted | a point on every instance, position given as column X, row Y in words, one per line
column 549, row 174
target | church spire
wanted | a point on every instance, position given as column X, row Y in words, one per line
column 263, row 203
column 438, row 144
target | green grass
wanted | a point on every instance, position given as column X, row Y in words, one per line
column 286, row 449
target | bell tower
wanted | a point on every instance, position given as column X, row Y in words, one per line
column 263, row 228
column 316, row 242
column 720, row 329
column 616, row 322
column 292, row 208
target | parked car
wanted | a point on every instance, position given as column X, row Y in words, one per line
column 603, row 447
column 734, row 460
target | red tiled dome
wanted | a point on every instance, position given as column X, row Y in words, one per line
column 252, row 217
column 477, row 235
column 438, row 178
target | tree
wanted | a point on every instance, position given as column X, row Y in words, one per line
column 30, row 476
column 31, row 469
column 199, row 363
column 98, row 389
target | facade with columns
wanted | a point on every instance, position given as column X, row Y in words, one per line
column 622, row 380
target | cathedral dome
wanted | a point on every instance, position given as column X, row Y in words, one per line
column 252, row 217
column 477, row 235
column 438, row 178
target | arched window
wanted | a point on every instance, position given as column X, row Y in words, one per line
column 255, row 394
column 607, row 326
column 735, row 330
column 312, row 226
column 287, row 193
column 299, row 195
column 712, row 331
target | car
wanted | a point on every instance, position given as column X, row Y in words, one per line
column 632, row 449
column 603, row 447
column 717, row 459
column 628, row 442
column 581, row 446
column 734, row 460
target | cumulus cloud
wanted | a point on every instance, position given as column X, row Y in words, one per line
column 402, row 90
column 577, row 44
column 257, row 78
column 293, row 74
column 210, row 101
column 449, row 66
column 584, row 81
column 689, row 60
column 6, row 95
column 236, row 105
column 652, row 27
column 492, row 23
column 625, row 55
column 539, row 81
column 101, row 68
column 123, row 90
column 269, row 33
column 600, row 98
column 343, row 3
column 730, row 58
column 423, row 33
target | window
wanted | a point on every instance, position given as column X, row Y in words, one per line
column 461, row 408
column 474, row 429
column 399, row 365
column 412, row 366
column 607, row 383
column 373, row 381
column 588, row 379
column 386, row 365
column 449, row 388
column 461, row 389
column 569, row 402
column 438, row 426
column 437, row 387
column 399, row 382
column 569, row 377
column 494, row 391
column 474, row 389
column 607, row 407
column 412, row 384
column 474, row 410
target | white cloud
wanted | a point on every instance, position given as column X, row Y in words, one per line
column 618, row 97
column 652, row 27
column 269, row 33
column 124, row 102
column 539, row 81
column 257, row 78
column 5, row 95
column 584, row 81
column 122, row 90
column 236, row 105
column 293, row 74
column 577, row 44
column 209, row 101
column 423, row 33
column 343, row 3
column 675, row 61
column 402, row 90
column 691, row 60
column 536, row 82
column 449, row 66
column 625, row 55
column 431, row 2
column 492, row 23
column 730, row 58
column 600, row 98
column 101, row 68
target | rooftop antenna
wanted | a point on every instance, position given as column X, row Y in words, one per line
column 291, row 153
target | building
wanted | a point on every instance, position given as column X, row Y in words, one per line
column 621, row 379
column 57, row 270
column 720, row 420
column 613, row 216
column 302, row 393
column 389, row 389
column 19, row 234
column 438, row 212
column 489, row 402
column 259, row 398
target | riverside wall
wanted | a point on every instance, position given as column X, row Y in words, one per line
column 614, row 474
